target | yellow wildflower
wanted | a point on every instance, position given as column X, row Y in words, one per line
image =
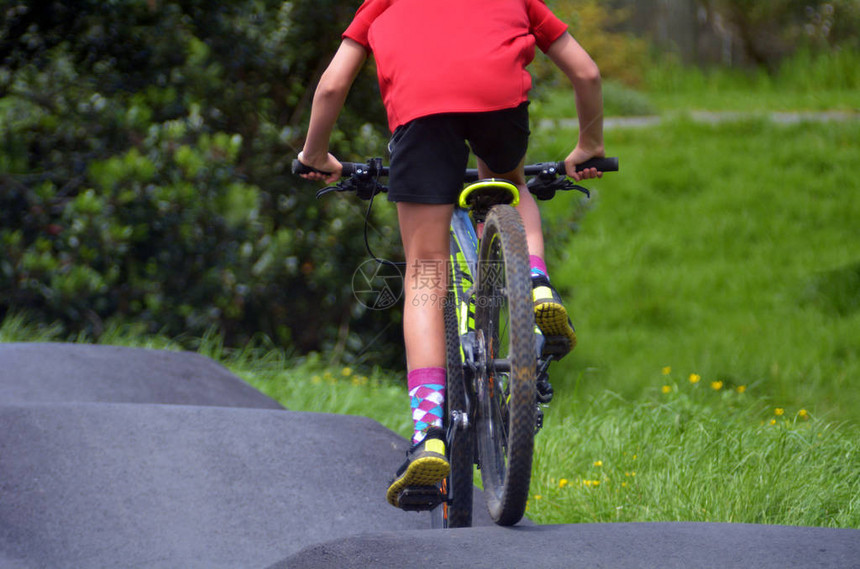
column 667, row 389
column 741, row 388
column 667, row 370
column 562, row 483
column 716, row 385
column 803, row 414
column 779, row 411
column 773, row 421
column 598, row 463
column 346, row 372
column 695, row 378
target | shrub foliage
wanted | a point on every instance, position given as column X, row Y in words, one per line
column 145, row 149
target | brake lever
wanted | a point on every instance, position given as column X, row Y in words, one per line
column 545, row 187
column 571, row 186
column 328, row 190
column 363, row 186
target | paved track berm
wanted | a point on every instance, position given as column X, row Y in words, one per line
column 119, row 457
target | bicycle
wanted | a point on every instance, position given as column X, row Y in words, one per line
column 497, row 358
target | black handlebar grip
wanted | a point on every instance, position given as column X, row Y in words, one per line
column 602, row 164
column 299, row 168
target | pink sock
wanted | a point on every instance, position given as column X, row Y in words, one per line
column 427, row 395
column 538, row 266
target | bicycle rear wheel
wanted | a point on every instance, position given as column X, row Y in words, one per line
column 504, row 322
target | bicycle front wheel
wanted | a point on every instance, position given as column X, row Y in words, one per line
column 458, row 487
column 504, row 322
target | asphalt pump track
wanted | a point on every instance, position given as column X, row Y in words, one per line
column 127, row 457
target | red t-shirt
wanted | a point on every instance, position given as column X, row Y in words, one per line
column 453, row 56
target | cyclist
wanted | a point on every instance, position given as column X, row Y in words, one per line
column 452, row 78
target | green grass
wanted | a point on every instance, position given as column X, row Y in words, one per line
column 694, row 454
column 309, row 384
column 618, row 100
column 805, row 82
column 730, row 251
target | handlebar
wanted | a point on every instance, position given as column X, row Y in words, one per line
column 547, row 177
column 471, row 174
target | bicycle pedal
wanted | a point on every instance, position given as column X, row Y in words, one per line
column 556, row 346
column 419, row 498
column 544, row 391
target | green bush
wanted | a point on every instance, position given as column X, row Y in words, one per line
column 145, row 150
column 771, row 31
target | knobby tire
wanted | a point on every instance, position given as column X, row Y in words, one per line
column 461, row 454
column 504, row 318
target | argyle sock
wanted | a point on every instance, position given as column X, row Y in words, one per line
column 427, row 392
column 538, row 267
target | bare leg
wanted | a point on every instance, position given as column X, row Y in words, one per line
column 425, row 235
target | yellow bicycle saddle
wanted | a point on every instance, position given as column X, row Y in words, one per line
column 484, row 194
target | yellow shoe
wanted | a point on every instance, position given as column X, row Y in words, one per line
column 552, row 318
column 425, row 465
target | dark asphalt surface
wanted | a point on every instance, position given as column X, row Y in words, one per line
column 62, row 373
column 119, row 457
column 119, row 485
column 593, row 546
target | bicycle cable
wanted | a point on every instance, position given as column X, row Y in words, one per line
column 396, row 264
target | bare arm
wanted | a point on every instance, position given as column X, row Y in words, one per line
column 329, row 98
column 584, row 76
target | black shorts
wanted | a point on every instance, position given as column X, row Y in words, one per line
column 430, row 154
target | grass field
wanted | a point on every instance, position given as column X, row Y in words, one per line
column 805, row 82
column 715, row 286
column 729, row 254
column 731, row 251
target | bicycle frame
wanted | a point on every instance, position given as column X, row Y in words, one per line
column 463, row 269
column 463, row 273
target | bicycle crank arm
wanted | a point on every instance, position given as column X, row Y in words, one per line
column 460, row 420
